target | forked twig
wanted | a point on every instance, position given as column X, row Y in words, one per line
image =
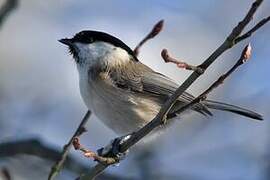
column 252, row 30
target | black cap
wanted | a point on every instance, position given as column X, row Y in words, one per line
column 88, row 37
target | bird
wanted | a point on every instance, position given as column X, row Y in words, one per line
column 124, row 93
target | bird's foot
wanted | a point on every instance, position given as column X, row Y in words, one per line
column 113, row 148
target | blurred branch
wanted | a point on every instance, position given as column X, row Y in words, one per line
column 6, row 9
column 160, row 119
column 155, row 31
column 35, row 147
column 4, row 173
column 59, row 164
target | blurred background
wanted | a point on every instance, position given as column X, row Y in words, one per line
column 40, row 103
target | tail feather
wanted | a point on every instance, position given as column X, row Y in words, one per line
column 231, row 108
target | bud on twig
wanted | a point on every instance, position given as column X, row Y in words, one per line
column 155, row 31
column 246, row 54
column 168, row 59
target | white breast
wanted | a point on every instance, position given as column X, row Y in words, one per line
column 121, row 110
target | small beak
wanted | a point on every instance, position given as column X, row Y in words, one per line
column 66, row 41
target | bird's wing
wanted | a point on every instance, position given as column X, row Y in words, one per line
column 142, row 79
column 161, row 85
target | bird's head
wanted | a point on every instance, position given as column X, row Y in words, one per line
column 94, row 47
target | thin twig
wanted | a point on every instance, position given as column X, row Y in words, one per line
column 59, row 164
column 155, row 31
column 161, row 116
column 180, row 64
column 6, row 9
column 246, row 53
column 91, row 154
column 252, row 30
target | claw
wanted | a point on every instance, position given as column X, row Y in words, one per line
column 113, row 148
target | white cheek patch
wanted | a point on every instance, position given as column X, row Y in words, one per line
column 118, row 57
column 102, row 53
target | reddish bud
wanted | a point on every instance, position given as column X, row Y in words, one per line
column 157, row 29
column 246, row 53
column 165, row 55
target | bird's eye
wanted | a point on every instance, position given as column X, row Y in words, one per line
column 91, row 40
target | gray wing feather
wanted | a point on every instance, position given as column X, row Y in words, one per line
column 161, row 85
column 141, row 78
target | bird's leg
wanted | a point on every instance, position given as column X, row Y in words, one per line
column 110, row 154
column 113, row 148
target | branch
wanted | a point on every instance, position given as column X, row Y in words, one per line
column 252, row 30
column 161, row 116
column 6, row 9
column 59, row 164
column 155, row 31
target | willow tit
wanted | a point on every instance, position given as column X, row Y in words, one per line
column 124, row 93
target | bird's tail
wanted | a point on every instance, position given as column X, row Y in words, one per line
column 231, row 108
